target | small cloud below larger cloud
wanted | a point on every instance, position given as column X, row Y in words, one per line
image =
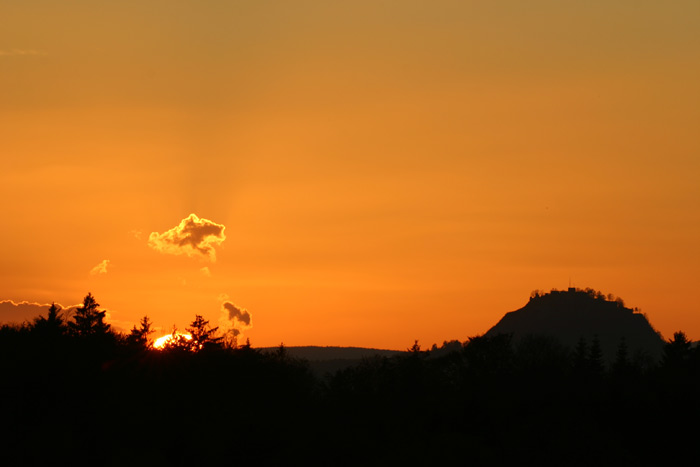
column 100, row 268
column 234, row 319
column 193, row 237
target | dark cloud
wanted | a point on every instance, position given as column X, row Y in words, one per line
column 237, row 314
column 234, row 319
column 192, row 237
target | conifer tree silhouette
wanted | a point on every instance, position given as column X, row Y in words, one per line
column 415, row 348
column 677, row 351
column 580, row 357
column 89, row 320
column 139, row 336
column 281, row 352
column 52, row 325
column 622, row 362
column 595, row 357
column 202, row 334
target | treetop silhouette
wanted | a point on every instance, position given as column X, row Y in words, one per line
column 139, row 336
column 88, row 319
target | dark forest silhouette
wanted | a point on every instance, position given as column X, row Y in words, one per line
column 75, row 390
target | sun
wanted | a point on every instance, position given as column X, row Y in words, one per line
column 161, row 342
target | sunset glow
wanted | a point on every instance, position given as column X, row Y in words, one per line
column 163, row 341
column 354, row 173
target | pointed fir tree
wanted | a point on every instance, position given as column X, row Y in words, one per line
column 595, row 358
column 202, row 334
column 138, row 337
column 677, row 351
column 580, row 357
column 88, row 320
column 622, row 362
column 281, row 352
column 53, row 324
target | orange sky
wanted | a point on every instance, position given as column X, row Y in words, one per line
column 385, row 170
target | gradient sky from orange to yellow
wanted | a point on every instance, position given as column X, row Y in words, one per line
column 385, row 170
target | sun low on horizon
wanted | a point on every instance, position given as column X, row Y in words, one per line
column 348, row 173
column 163, row 341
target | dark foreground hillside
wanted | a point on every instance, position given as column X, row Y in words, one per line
column 81, row 395
column 490, row 403
column 327, row 360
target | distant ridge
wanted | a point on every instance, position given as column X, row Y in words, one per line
column 577, row 314
column 319, row 353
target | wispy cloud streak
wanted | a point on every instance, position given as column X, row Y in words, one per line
column 100, row 268
column 21, row 53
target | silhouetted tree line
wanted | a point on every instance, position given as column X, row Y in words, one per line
column 596, row 294
column 74, row 390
